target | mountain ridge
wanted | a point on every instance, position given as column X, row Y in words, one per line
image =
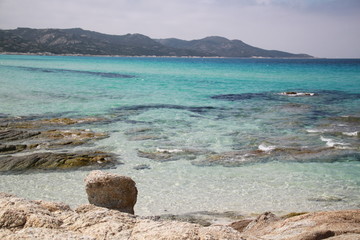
column 85, row 42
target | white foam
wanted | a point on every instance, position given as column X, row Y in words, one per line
column 331, row 143
column 296, row 94
column 315, row 131
column 351, row 134
column 266, row 148
column 168, row 150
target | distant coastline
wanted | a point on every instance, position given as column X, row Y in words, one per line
column 79, row 42
column 144, row 56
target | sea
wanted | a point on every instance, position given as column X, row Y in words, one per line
column 199, row 134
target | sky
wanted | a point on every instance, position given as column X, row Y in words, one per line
column 321, row 28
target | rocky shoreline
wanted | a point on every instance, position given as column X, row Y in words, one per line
column 25, row 219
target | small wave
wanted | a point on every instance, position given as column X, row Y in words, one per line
column 266, row 148
column 315, row 131
column 297, row 94
column 351, row 134
column 331, row 143
column 161, row 150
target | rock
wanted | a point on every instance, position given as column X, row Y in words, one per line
column 310, row 226
column 326, row 199
column 262, row 221
column 240, row 225
column 347, row 119
column 345, row 237
column 147, row 229
column 230, row 159
column 34, row 220
column 111, row 191
column 143, row 134
column 203, row 218
column 51, row 161
column 145, row 137
column 16, row 212
column 70, row 121
column 53, row 206
column 59, row 138
column 184, row 218
column 293, row 214
column 17, row 136
column 7, row 149
column 30, row 124
column 274, row 153
column 23, row 219
column 136, row 131
column 43, row 234
column 7, row 135
column 101, row 223
column 142, row 167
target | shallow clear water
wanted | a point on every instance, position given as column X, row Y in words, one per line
column 235, row 143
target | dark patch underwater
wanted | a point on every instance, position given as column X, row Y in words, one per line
column 101, row 74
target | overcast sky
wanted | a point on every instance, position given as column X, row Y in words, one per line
column 322, row 28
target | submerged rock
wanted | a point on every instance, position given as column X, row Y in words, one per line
column 142, row 167
column 230, row 159
column 16, row 136
column 325, row 198
column 23, row 123
column 8, row 149
column 9, row 134
column 111, row 191
column 245, row 96
column 145, row 137
column 274, row 153
column 348, row 119
column 60, row 138
column 164, row 155
column 139, row 130
column 143, row 134
column 19, row 135
column 52, row 161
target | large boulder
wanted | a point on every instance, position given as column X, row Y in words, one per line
column 111, row 191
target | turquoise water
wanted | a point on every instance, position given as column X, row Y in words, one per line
column 233, row 141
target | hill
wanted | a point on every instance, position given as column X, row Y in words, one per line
column 220, row 46
column 79, row 41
